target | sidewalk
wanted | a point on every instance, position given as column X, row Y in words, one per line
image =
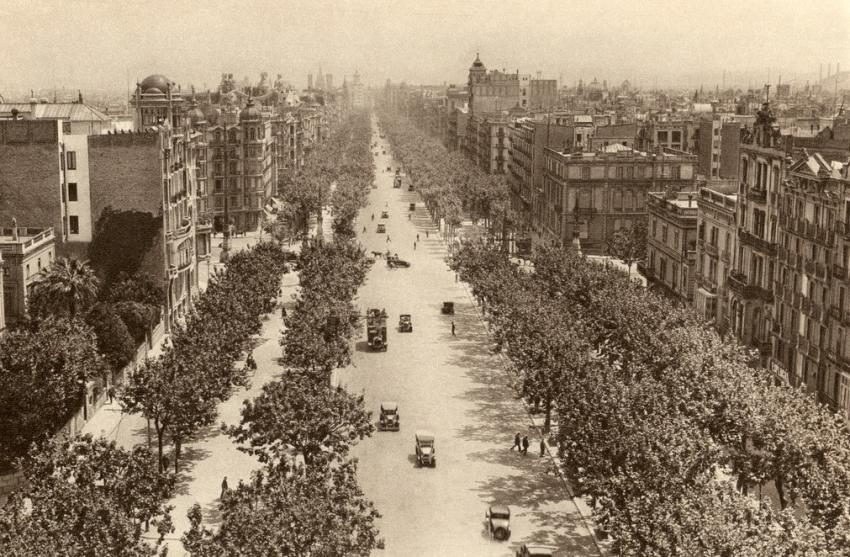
column 536, row 422
column 210, row 455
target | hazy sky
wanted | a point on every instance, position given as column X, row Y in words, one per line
column 97, row 44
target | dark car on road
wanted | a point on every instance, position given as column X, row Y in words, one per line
column 405, row 323
column 382, row 228
column 389, row 419
column 533, row 550
column 393, row 261
column 498, row 519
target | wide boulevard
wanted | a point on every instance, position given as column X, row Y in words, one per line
column 453, row 386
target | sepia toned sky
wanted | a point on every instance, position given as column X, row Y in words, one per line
column 101, row 44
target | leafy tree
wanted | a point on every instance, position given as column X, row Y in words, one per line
column 86, row 496
column 43, row 374
column 297, row 413
column 139, row 318
column 629, row 244
column 317, row 511
column 121, row 240
column 113, row 338
column 67, row 284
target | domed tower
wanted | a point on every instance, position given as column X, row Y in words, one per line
column 477, row 73
column 196, row 117
column 157, row 99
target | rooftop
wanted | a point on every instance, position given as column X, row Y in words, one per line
column 73, row 111
column 22, row 238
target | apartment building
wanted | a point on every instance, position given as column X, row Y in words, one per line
column 589, row 195
column 671, row 242
column 24, row 252
column 716, row 246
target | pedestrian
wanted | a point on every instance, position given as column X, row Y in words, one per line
column 414, row 246
column 373, row 216
column 453, row 328
column 110, row 392
column 525, row 444
column 388, row 238
column 364, row 230
column 223, row 487
column 164, row 463
column 426, row 234
column 283, row 311
column 517, row 442
column 417, row 237
column 542, row 447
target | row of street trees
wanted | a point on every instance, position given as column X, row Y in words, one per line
column 178, row 391
column 451, row 187
column 306, row 500
column 655, row 412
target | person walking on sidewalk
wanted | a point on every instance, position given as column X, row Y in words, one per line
column 388, row 238
column 110, row 392
column 525, row 444
column 223, row 488
column 414, row 246
column 417, row 237
column 453, row 328
column 517, row 442
column 542, row 447
column 426, row 234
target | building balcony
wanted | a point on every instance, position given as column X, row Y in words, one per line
column 759, row 244
column 839, row 272
column 584, row 210
column 181, row 231
column 757, row 195
column 709, row 249
column 738, row 284
column 725, row 256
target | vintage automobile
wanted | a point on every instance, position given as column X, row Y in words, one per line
column 393, row 261
column 388, row 420
column 405, row 323
column 382, row 228
column 410, row 187
column 498, row 519
column 411, row 207
column 532, row 550
column 425, row 449
column 385, row 214
column 448, row 308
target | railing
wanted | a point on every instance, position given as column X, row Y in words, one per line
column 820, row 271
column 757, row 195
column 749, row 239
column 725, row 256
column 839, row 272
column 737, row 282
column 710, row 249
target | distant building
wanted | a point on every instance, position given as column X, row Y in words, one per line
column 671, row 242
column 358, row 92
column 589, row 195
column 716, row 237
column 77, row 118
column 493, row 91
column 717, row 146
column 487, row 142
column 622, row 134
column 669, row 133
column 24, row 252
column 528, row 138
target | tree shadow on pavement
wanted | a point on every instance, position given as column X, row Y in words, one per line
column 189, row 457
column 562, row 529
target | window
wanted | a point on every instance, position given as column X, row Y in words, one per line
column 676, row 239
column 619, row 172
column 66, row 127
column 664, row 233
column 72, row 160
column 585, row 173
column 662, row 137
column 618, row 201
column 74, row 224
column 654, row 228
column 677, row 137
column 72, row 191
column 677, row 172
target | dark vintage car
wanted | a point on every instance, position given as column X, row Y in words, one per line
column 448, row 308
column 389, row 419
column 498, row 518
column 385, row 214
column 405, row 323
column 410, row 187
column 393, row 261
column 534, row 550
column 425, row 449
column 382, row 228
column 411, row 207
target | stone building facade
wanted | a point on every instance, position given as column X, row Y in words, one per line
column 671, row 242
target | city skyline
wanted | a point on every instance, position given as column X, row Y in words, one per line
column 95, row 47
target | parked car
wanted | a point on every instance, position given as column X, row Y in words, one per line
column 389, row 418
column 411, row 207
column 498, row 519
column 405, row 323
column 410, row 187
column 448, row 308
column 531, row 550
column 385, row 214
column 382, row 228
column 425, row 448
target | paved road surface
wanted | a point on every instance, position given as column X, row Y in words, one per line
column 455, row 387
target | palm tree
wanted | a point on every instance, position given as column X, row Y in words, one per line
column 68, row 283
